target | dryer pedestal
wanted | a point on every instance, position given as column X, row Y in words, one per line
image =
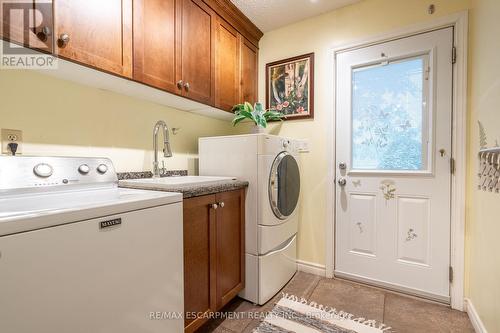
column 269, row 273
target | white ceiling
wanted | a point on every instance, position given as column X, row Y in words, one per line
column 272, row 14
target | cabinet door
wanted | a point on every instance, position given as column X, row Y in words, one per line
column 199, row 258
column 28, row 23
column 230, row 245
column 197, row 51
column 154, row 43
column 249, row 68
column 99, row 33
column 227, row 66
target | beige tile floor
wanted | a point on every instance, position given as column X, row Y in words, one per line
column 402, row 313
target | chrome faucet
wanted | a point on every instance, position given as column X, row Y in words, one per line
column 167, row 151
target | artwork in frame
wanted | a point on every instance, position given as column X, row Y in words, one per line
column 290, row 87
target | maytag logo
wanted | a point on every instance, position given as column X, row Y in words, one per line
column 110, row 223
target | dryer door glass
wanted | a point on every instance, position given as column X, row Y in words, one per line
column 284, row 185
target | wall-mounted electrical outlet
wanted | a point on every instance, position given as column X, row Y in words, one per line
column 12, row 136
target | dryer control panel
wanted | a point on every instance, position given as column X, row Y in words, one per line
column 272, row 145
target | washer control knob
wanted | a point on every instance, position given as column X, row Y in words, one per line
column 286, row 143
column 84, row 169
column 102, row 168
column 43, row 170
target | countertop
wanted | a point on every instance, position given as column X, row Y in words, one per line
column 190, row 190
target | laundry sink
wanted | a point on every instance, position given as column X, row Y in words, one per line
column 168, row 182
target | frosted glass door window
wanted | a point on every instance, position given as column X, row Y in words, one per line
column 389, row 116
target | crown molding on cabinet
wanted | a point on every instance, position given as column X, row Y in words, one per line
column 229, row 12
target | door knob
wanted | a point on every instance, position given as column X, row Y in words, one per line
column 342, row 182
column 180, row 83
column 342, row 166
column 63, row 40
column 186, row 86
column 221, row 204
column 213, row 206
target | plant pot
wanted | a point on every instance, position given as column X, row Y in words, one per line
column 256, row 129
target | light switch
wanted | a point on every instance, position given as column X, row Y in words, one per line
column 303, row 145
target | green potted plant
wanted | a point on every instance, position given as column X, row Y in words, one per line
column 257, row 114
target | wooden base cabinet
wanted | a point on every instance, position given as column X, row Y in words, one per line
column 199, row 259
column 214, row 254
column 230, row 246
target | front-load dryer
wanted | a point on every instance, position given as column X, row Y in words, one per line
column 279, row 189
column 271, row 165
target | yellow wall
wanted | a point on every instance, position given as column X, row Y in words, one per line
column 67, row 119
column 360, row 21
column 483, row 221
column 320, row 35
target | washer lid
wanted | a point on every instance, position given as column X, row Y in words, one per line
column 284, row 185
column 34, row 211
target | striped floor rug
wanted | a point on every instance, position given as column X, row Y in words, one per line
column 292, row 314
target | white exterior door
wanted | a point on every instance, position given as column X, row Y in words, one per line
column 393, row 153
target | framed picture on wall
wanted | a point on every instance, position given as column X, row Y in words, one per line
column 290, row 86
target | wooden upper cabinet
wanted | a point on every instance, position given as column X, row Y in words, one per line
column 154, row 43
column 249, row 71
column 196, row 68
column 230, row 245
column 96, row 33
column 227, row 66
column 28, row 23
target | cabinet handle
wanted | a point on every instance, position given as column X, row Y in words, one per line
column 44, row 34
column 186, row 86
column 221, row 204
column 63, row 40
column 180, row 83
column 213, row 206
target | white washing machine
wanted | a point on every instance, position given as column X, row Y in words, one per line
column 78, row 254
column 270, row 164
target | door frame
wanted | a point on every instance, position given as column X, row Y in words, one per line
column 459, row 22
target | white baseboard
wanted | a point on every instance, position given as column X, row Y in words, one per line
column 474, row 317
column 311, row 268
